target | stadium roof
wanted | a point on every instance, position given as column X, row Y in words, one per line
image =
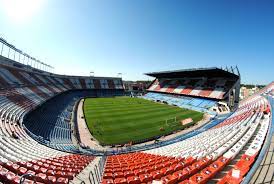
column 195, row 72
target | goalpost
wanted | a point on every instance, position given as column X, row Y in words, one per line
column 172, row 122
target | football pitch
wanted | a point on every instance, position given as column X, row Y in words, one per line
column 121, row 120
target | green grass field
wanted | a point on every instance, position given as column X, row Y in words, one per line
column 120, row 120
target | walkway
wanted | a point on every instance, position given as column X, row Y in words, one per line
column 265, row 172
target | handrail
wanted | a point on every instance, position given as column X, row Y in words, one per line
column 264, row 149
column 24, row 176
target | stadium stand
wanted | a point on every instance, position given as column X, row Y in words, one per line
column 197, row 104
column 27, row 99
column 36, row 141
column 211, row 84
column 231, row 146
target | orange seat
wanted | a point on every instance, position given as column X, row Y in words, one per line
column 197, row 178
column 189, row 161
column 128, row 174
column 145, row 178
column 157, row 174
column 170, row 179
column 107, row 181
column 139, row 172
column 120, row 181
column 179, row 166
column 181, row 175
column 118, row 175
column 185, row 182
column 189, row 170
column 167, row 171
column 133, row 180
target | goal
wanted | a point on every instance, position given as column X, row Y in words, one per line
column 172, row 122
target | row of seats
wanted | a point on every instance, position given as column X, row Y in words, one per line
column 54, row 118
column 46, row 165
column 199, row 158
column 198, row 104
column 11, row 77
column 22, row 91
column 213, row 88
column 22, row 94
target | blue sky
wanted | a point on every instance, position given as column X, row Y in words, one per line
column 135, row 37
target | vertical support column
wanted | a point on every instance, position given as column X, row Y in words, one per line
column 2, row 48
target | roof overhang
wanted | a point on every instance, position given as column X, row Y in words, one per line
column 213, row 72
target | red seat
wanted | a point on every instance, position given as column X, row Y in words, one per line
column 52, row 167
column 189, row 161
column 229, row 178
column 22, row 163
column 179, row 166
column 117, row 169
column 30, row 172
column 35, row 168
column 50, row 172
column 145, row 178
column 118, row 174
column 69, row 175
column 189, row 170
column 120, row 181
column 139, row 172
column 185, row 182
column 22, row 170
column 108, row 171
column 107, row 181
column 207, row 173
column 42, row 170
column 198, row 178
column 107, row 176
column 40, row 163
column 3, row 172
column 9, row 177
column 133, row 180
column 16, row 180
column 41, row 177
column 62, row 180
column 167, row 171
column 181, row 175
column 128, row 173
column 59, row 174
column 157, row 174
column 170, row 179
column 29, row 165
column 51, row 179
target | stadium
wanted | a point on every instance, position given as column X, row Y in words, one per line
column 136, row 92
column 189, row 127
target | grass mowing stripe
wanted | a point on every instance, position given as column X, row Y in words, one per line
column 129, row 112
column 121, row 111
column 124, row 119
column 125, row 107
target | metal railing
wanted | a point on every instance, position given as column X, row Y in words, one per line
column 11, row 52
column 95, row 175
column 25, row 176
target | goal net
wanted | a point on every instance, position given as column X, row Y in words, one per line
column 172, row 122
